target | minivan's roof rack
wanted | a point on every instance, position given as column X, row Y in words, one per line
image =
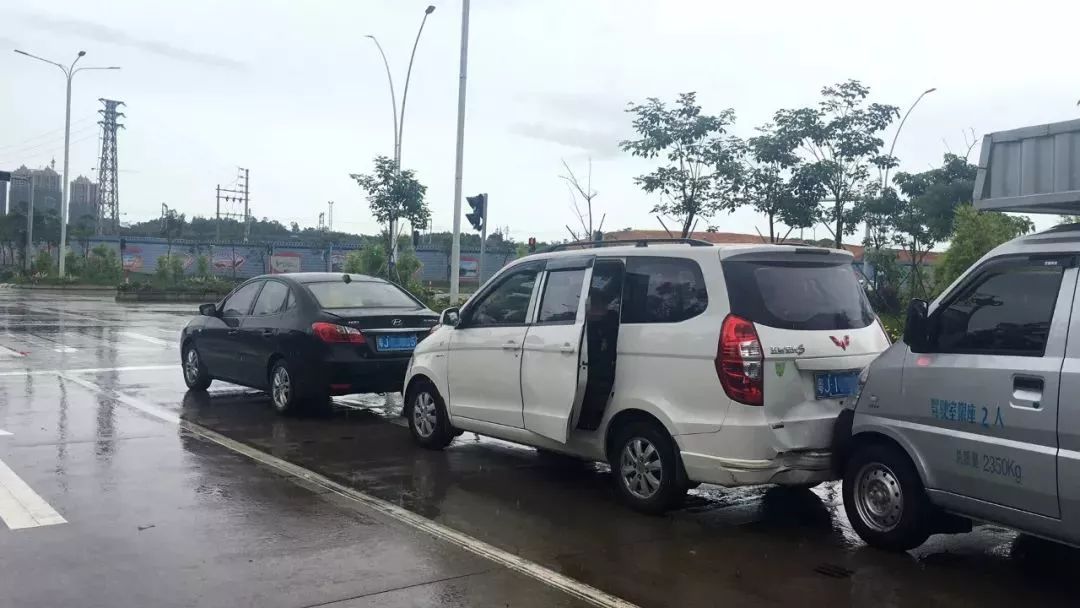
column 1030, row 170
column 634, row 242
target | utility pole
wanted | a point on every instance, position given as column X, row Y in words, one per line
column 455, row 248
column 234, row 195
column 217, row 223
column 247, row 210
column 483, row 243
column 331, row 222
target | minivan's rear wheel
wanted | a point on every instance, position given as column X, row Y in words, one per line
column 428, row 420
column 885, row 500
column 645, row 467
column 196, row 376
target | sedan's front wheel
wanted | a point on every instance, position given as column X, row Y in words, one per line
column 196, row 376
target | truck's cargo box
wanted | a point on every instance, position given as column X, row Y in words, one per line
column 1031, row 170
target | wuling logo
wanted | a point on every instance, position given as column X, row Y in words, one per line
column 843, row 343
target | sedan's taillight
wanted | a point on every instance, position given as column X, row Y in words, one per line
column 740, row 361
column 338, row 334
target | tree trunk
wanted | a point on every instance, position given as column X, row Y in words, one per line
column 687, row 224
column 839, row 225
column 772, row 234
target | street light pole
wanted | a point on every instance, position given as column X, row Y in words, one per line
column 69, row 73
column 399, row 127
column 885, row 178
column 455, row 247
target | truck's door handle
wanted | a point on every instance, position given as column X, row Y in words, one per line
column 267, row 333
column 233, row 332
column 1028, row 383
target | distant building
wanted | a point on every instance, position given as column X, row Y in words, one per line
column 84, row 201
column 46, row 189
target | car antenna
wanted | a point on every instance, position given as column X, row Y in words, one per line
column 346, row 278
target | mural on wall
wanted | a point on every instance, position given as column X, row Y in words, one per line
column 285, row 261
column 132, row 259
column 470, row 268
column 337, row 261
column 227, row 261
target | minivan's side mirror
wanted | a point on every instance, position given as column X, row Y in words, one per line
column 917, row 327
column 208, row 310
column 450, row 316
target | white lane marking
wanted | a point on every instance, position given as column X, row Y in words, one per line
column 65, row 349
column 90, row 370
column 150, row 339
column 7, row 353
column 4, row 433
column 153, row 410
column 20, row 505
column 543, row 574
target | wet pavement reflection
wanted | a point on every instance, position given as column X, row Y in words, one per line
column 181, row 521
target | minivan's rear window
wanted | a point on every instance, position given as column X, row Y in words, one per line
column 359, row 294
column 797, row 295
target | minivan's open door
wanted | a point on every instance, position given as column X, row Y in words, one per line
column 552, row 374
column 602, row 319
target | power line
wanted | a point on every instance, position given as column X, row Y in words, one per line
column 41, row 135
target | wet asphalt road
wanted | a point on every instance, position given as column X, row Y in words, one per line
column 103, row 431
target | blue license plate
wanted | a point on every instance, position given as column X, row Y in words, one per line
column 834, row 385
column 393, row 342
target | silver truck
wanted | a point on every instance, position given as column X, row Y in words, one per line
column 975, row 415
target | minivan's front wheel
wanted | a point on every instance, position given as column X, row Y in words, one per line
column 645, row 467
column 428, row 421
column 885, row 500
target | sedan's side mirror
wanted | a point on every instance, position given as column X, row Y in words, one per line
column 450, row 316
column 917, row 327
column 208, row 310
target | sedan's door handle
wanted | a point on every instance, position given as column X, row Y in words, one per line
column 567, row 348
column 267, row 333
column 1028, row 383
column 233, row 332
column 511, row 345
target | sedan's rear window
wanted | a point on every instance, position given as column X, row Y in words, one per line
column 360, row 294
column 797, row 295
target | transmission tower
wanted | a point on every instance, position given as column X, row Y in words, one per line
column 108, row 188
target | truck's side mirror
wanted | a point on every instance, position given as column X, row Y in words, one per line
column 917, row 327
column 208, row 310
column 450, row 316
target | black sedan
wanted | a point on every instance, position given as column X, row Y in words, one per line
column 306, row 336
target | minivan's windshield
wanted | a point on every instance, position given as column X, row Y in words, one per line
column 797, row 295
column 361, row 294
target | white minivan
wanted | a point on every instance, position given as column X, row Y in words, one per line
column 676, row 362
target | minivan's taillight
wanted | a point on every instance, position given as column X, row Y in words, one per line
column 338, row 334
column 740, row 361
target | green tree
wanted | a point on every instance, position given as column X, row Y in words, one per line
column 927, row 217
column 704, row 169
column 841, row 137
column 976, row 233
column 394, row 194
column 778, row 185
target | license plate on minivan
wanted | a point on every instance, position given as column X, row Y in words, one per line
column 834, row 385
column 395, row 342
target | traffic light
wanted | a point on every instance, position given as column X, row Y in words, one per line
column 532, row 244
column 479, row 208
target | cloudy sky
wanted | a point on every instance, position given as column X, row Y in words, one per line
column 293, row 91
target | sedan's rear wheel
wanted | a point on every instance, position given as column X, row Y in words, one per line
column 196, row 376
